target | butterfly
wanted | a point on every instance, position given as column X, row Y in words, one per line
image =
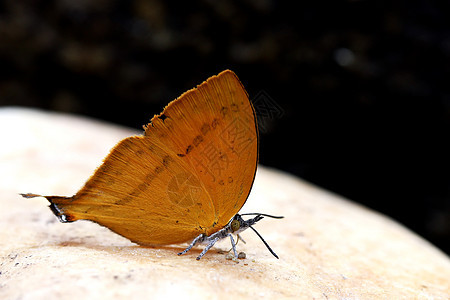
column 184, row 180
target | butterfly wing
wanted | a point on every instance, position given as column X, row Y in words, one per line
column 189, row 174
column 216, row 126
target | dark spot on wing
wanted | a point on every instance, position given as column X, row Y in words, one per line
column 223, row 111
column 197, row 140
column 214, row 123
column 189, row 149
column 166, row 160
column 205, row 129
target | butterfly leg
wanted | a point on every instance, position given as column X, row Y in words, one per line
column 233, row 244
column 198, row 239
column 211, row 243
column 240, row 238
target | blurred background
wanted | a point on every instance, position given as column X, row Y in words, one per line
column 353, row 96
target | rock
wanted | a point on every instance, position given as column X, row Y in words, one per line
column 329, row 247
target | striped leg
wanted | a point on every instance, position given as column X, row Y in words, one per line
column 233, row 244
column 195, row 241
column 211, row 243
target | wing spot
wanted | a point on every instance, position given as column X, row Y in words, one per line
column 143, row 186
column 223, row 111
column 189, row 149
column 205, row 129
column 214, row 123
column 197, row 140
column 166, row 160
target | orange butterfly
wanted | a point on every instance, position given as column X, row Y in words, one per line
column 184, row 180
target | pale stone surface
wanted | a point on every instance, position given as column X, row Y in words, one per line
column 329, row 247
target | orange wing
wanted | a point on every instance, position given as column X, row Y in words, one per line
column 190, row 173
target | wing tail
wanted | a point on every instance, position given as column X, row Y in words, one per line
column 55, row 203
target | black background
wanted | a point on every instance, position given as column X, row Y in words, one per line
column 360, row 89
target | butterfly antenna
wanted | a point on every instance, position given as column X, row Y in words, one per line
column 259, row 214
column 267, row 245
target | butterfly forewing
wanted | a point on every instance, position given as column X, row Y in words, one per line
column 214, row 130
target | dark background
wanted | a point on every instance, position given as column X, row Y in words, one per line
column 358, row 90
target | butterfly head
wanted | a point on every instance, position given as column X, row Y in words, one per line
column 238, row 224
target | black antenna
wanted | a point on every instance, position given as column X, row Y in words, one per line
column 267, row 245
column 270, row 216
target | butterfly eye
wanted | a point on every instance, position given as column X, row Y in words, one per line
column 235, row 225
